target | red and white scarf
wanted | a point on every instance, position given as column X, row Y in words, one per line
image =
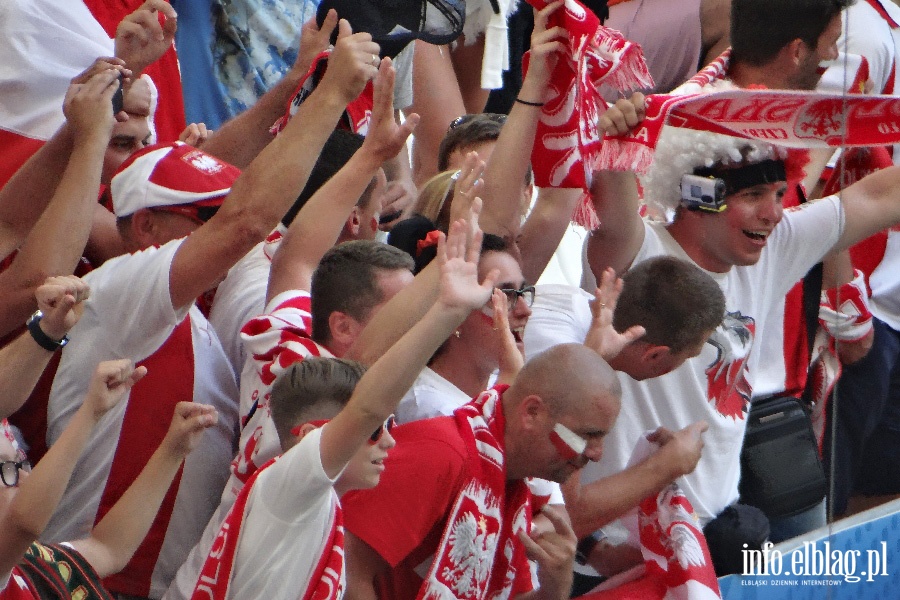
column 215, row 576
column 479, row 551
column 796, row 119
column 567, row 140
column 357, row 114
column 677, row 563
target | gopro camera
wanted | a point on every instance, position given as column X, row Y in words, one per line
column 703, row 193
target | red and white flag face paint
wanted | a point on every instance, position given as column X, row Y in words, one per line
column 45, row 45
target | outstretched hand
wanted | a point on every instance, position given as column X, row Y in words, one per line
column 109, row 384
column 602, row 337
column 465, row 205
column 61, row 299
column 511, row 359
column 313, row 41
column 189, row 422
column 554, row 552
column 88, row 103
column 352, row 64
column 140, row 38
column 386, row 137
column 546, row 48
column 458, row 262
column 680, row 450
column 623, row 116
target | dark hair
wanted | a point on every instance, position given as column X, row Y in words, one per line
column 761, row 28
column 407, row 234
column 346, row 281
column 674, row 300
column 338, row 149
column 306, row 388
column 479, row 129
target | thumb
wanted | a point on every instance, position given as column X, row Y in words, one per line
column 344, row 29
column 633, row 333
column 698, row 427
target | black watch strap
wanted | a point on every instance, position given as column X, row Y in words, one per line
column 584, row 548
column 43, row 340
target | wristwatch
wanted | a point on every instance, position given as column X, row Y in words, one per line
column 43, row 340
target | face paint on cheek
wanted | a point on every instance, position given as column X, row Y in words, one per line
column 568, row 444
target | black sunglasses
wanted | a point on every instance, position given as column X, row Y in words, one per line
column 9, row 471
column 386, row 426
column 462, row 120
column 526, row 292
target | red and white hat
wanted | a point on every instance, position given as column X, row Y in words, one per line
column 170, row 175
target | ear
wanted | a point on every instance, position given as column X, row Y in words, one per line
column 533, row 412
column 352, row 225
column 654, row 356
column 343, row 330
column 795, row 51
column 143, row 228
column 304, row 429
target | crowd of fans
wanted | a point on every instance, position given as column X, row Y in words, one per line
column 298, row 356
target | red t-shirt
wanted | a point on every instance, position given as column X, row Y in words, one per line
column 404, row 517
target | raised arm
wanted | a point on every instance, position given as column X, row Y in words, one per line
column 56, row 242
column 410, row 304
column 263, row 193
column 508, row 165
column 29, row 191
column 241, row 139
column 115, row 538
column 22, row 361
column 317, row 226
column 141, row 39
column 620, row 234
column 602, row 337
column 40, row 492
column 870, row 205
column 384, row 384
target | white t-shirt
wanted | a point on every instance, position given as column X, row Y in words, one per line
column 869, row 34
column 286, row 525
column 273, row 341
column 713, row 386
column 130, row 315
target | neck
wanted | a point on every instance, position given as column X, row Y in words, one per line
column 744, row 75
column 462, row 370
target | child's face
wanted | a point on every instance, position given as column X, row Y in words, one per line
column 365, row 468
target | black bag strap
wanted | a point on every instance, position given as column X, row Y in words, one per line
column 812, row 293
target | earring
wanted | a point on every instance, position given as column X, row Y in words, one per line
column 456, row 334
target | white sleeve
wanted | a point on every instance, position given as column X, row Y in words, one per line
column 130, row 305
column 561, row 314
column 869, row 35
column 805, row 235
column 403, row 88
column 286, row 487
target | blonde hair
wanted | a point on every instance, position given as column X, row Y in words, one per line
column 434, row 199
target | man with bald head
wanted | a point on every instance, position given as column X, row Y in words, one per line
column 450, row 515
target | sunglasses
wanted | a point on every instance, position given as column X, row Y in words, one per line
column 9, row 471
column 200, row 214
column 462, row 120
column 388, row 425
column 526, row 293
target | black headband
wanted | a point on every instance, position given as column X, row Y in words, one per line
column 740, row 178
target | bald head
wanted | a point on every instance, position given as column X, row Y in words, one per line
column 567, row 377
column 568, row 385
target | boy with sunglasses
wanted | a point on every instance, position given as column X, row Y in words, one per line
column 283, row 536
